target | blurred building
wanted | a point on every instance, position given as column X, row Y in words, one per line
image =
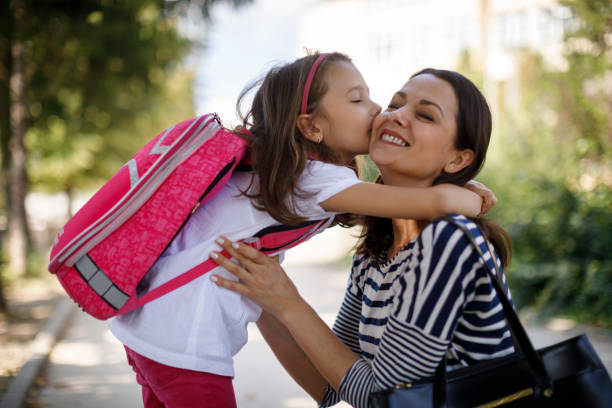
column 391, row 39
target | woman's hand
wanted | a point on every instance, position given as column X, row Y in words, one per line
column 268, row 285
column 488, row 197
column 262, row 278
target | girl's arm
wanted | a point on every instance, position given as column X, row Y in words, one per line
column 422, row 203
column 291, row 356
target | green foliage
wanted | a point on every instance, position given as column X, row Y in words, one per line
column 552, row 169
column 101, row 77
column 98, row 88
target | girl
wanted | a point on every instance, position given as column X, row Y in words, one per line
column 318, row 107
column 418, row 291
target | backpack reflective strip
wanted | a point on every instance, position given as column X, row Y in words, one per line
column 157, row 149
column 100, row 283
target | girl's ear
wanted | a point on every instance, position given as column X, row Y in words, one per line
column 306, row 125
column 460, row 160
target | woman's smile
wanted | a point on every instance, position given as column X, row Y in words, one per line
column 390, row 137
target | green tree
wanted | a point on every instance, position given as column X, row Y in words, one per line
column 80, row 85
column 559, row 205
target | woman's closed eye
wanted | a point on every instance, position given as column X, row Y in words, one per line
column 425, row 116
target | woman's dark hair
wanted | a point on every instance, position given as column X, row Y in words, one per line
column 474, row 126
column 278, row 149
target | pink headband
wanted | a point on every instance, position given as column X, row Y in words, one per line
column 309, row 79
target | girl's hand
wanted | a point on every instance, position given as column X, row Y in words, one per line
column 488, row 197
column 261, row 277
column 453, row 199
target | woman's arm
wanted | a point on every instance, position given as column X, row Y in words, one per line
column 291, row 356
column 423, row 203
column 415, row 338
column 268, row 285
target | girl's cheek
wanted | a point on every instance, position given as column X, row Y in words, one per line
column 378, row 122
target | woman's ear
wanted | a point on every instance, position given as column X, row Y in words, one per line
column 460, row 160
column 306, row 125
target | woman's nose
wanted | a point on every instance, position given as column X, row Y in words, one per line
column 398, row 117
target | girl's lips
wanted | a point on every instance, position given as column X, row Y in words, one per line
column 393, row 138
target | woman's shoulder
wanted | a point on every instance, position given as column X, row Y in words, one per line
column 445, row 238
column 446, row 242
column 446, row 227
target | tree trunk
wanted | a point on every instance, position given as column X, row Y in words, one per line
column 69, row 194
column 3, row 302
column 5, row 130
column 4, row 138
column 18, row 240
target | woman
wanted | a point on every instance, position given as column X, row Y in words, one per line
column 417, row 292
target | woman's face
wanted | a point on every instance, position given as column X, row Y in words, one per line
column 346, row 113
column 412, row 141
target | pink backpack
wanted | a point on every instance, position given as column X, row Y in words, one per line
column 107, row 247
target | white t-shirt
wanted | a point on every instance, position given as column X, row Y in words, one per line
column 200, row 326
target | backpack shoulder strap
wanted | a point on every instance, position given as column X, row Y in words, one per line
column 268, row 240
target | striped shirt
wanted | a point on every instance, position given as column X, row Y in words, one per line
column 434, row 297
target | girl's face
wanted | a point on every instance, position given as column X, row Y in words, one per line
column 412, row 141
column 346, row 113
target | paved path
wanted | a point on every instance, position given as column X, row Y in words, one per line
column 87, row 368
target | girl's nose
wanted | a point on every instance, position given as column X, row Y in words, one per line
column 376, row 109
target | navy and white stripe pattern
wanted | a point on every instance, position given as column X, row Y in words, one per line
column 434, row 297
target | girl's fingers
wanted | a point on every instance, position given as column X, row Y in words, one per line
column 489, row 203
column 489, row 200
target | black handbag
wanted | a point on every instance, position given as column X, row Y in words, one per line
column 566, row 374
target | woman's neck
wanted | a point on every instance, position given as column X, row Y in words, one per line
column 404, row 231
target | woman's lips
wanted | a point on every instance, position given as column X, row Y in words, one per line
column 392, row 138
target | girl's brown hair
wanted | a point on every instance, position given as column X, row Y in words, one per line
column 473, row 132
column 278, row 149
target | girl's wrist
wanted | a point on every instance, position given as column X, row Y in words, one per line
column 440, row 204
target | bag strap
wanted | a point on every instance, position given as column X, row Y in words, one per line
column 537, row 368
column 268, row 240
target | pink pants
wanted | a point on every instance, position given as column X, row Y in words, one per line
column 165, row 386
